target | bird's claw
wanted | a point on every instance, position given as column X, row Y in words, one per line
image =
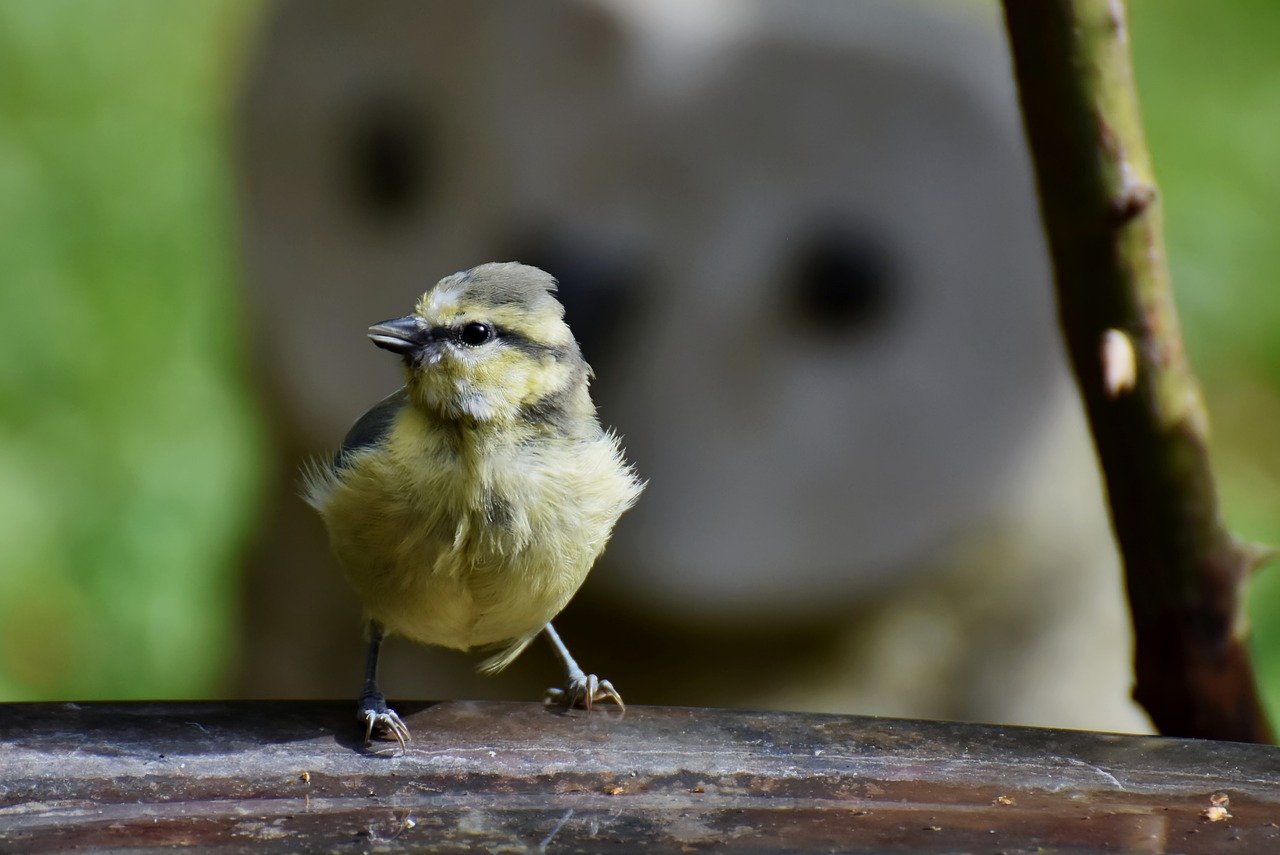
column 584, row 691
column 381, row 721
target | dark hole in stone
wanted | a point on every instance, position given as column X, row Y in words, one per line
column 389, row 161
column 843, row 280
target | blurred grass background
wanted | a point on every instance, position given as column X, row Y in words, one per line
column 129, row 441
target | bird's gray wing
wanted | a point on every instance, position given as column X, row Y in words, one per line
column 373, row 427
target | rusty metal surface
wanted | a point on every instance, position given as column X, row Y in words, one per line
column 291, row 776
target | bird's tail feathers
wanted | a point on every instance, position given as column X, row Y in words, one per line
column 506, row 656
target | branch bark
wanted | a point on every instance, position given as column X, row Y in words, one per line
column 1098, row 199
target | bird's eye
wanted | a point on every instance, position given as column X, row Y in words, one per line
column 475, row 334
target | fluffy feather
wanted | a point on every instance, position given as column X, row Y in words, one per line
column 470, row 506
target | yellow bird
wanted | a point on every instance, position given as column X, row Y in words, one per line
column 467, row 507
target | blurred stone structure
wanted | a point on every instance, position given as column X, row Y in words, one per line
column 799, row 244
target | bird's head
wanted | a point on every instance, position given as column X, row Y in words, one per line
column 490, row 345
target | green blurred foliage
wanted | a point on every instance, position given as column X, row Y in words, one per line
column 1209, row 78
column 129, row 449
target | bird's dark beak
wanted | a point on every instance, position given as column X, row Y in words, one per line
column 401, row 335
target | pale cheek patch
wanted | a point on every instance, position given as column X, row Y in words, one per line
column 552, row 377
column 504, row 380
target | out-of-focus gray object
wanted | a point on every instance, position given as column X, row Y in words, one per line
column 387, row 144
column 848, row 336
column 798, row 241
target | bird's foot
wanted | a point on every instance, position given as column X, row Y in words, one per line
column 381, row 721
column 584, row 690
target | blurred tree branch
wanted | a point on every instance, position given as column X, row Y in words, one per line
column 1098, row 200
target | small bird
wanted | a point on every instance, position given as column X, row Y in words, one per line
column 467, row 507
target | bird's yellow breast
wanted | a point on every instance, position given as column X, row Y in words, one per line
column 455, row 539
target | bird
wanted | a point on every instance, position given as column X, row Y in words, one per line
column 467, row 507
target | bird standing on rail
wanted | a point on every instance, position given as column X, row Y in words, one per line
column 467, row 507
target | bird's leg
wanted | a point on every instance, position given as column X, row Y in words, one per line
column 378, row 718
column 583, row 689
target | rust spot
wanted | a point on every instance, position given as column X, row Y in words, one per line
column 1217, row 809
